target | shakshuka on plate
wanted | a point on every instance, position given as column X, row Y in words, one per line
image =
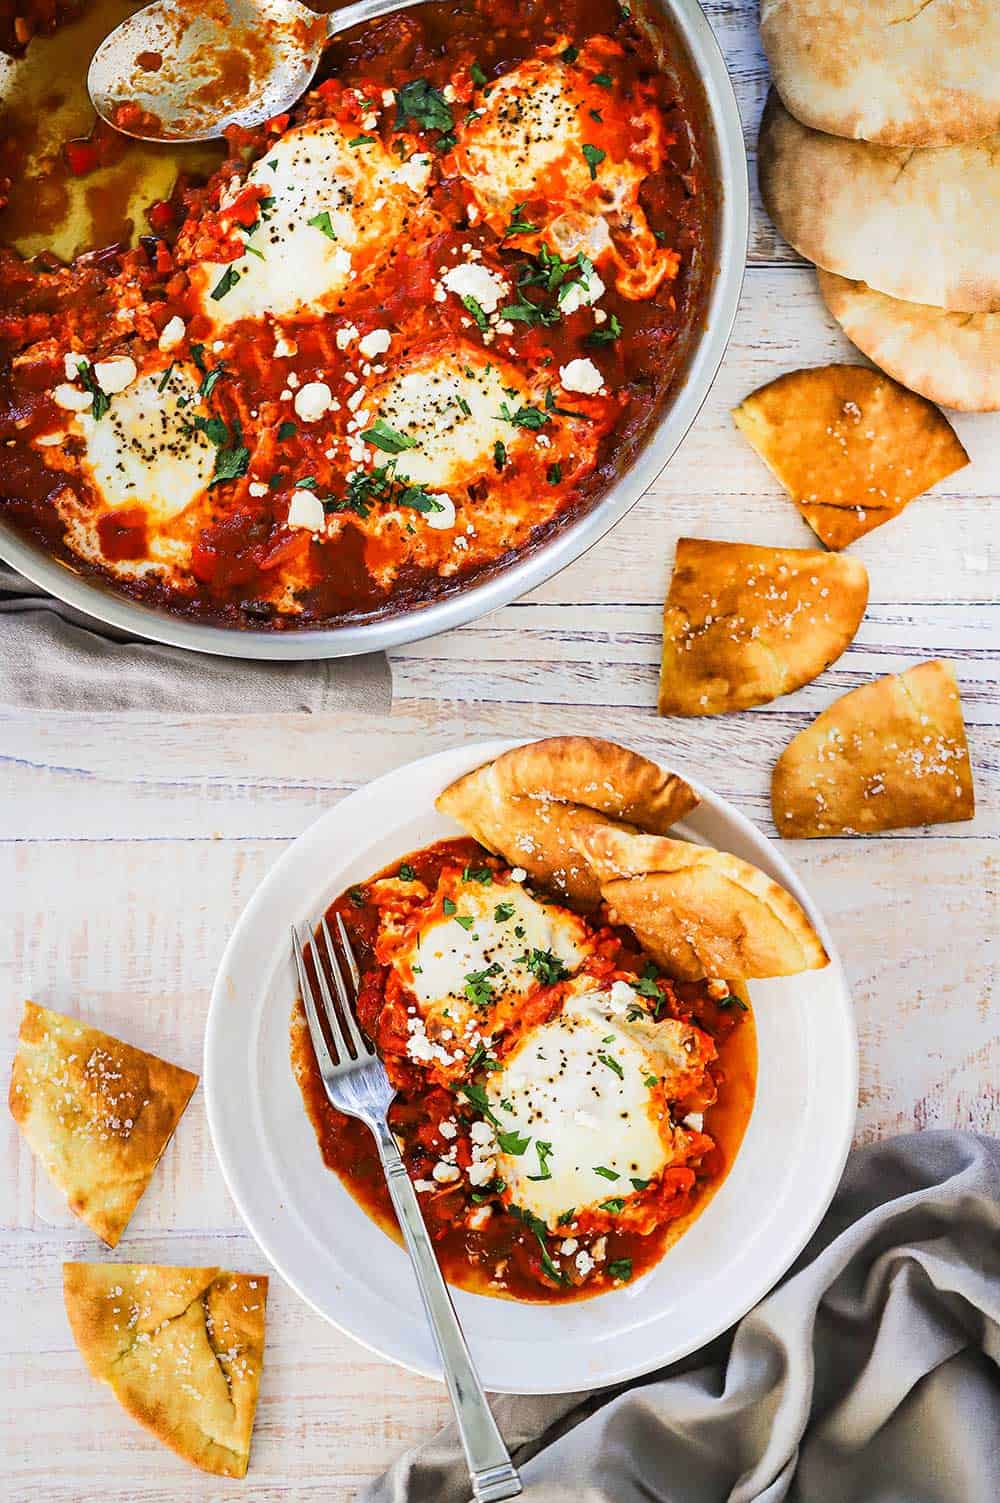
column 401, row 334
column 563, row 1108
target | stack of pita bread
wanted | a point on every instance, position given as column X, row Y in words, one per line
column 879, row 160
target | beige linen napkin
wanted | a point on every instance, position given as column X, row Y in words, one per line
column 53, row 657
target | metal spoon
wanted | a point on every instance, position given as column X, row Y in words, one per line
column 190, row 68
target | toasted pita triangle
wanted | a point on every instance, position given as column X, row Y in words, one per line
column 701, row 912
column 890, row 754
column 850, row 446
column 181, row 1348
column 97, row 1112
column 530, row 804
column 744, row 624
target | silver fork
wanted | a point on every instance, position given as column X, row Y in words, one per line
column 356, row 1083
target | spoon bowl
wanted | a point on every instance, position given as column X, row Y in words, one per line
column 186, row 70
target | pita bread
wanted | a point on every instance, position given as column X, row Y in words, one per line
column 888, row 755
column 850, row 446
column 701, row 912
column 952, row 358
column 531, row 803
column 181, row 1348
column 744, row 624
column 919, row 225
column 897, row 72
column 96, row 1112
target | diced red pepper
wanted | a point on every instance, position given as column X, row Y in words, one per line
column 81, row 157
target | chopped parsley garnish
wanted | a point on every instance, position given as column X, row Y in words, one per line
column 406, row 873
column 232, row 457
column 641, row 1184
column 100, row 401
column 524, row 417
column 596, row 115
column 613, row 1206
column 481, row 874
column 381, row 485
column 466, row 921
column 383, row 437
column 322, row 221
column 519, row 225
column 357, row 896
column 605, row 1173
column 307, row 483
column 479, row 984
column 607, row 334
column 612, row 1064
column 646, row 987
column 419, row 101
column 477, row 75
column 732, row 1001
column 649, row 1081
column 595, row 156
column 565, row 1216
column 198, row 356
column 499, row 456
column 286, row 431
column 446, row 142
column 603, row 80
column 448, row 907
column 225, row 284
column 542, row 963
column 502, row 912
column 165, row 378
column 212, row 378
column 570, row 54
column 554, row 474
column 475, row 1093
column 621, row 1269
column 515, row 1144
column 273, row 164
column 540, row 1231
column 479, row 1059
column 357, row 141
column 544, row 1151
column 471, row 305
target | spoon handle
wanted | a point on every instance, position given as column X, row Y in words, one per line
column 363, row 10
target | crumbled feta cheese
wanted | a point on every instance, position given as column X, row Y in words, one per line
column 569, row 1246
column 468, row 279
column 375, row 343
column 72, row 363
column 446, row 1174
column 413, row 172
column 115, row 374
column 257, row 488
column 479, row 1217
column 621, row 997
column 71, row 398
column 481, row 1171
column 518, row 874
column 312, row 401
column 599, row 1250
column 171, row 334
column 292, row 380
column 695, row 1120
column 447, row 1129
column 584, row 1263
column 481, row 1132
column 284, row 348
column 581, row 375
column 424, row 1186
column 581, row 293
column 306, row 511
column 345, row 335
column 444, row 518
column 388, row 99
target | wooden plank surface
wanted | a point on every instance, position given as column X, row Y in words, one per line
column 128, row 845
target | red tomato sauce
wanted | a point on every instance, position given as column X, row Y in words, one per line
column 504, row 1257
column 243, row 562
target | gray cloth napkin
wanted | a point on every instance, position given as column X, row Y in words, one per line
column 870, row 1374
column 53, row 657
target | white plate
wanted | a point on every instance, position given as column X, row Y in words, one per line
column 353, row 1275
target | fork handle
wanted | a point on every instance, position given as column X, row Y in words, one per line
column 493, row 1474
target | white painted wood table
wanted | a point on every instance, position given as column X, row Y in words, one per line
column 130, row 845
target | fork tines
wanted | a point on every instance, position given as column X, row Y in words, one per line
column 341, row 1041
